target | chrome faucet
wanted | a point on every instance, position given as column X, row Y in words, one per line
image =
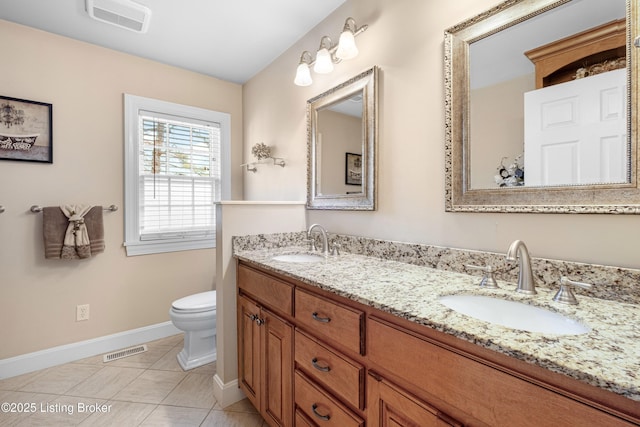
column 526, row 284
column 325, row 241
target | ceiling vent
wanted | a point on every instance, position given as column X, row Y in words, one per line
column 123, row 13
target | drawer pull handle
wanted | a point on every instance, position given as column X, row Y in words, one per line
column 314, row 408
column 320, row 319
column 314, row 362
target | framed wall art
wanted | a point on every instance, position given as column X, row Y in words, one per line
column 353, row 169
column 26, row 130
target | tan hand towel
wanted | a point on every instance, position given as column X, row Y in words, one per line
column 55, row 225
column 76, row 239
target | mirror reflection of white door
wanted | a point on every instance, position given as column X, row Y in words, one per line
column 575, row 132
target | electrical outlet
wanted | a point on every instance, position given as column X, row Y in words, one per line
column 82, row 312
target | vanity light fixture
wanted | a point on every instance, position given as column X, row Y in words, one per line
column 347, row 48
column 329, row 54
column 303, row 74
column 324, row 59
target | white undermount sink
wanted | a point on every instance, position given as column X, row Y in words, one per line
column 512, row 314
column 299, row 258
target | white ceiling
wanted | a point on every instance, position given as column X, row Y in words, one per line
column 229, row 39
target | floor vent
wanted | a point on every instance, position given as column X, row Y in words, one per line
column 124, row 353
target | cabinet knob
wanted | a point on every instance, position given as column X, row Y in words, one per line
column 259, row 322
column 314, row 408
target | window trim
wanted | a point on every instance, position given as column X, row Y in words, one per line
column 132, row 106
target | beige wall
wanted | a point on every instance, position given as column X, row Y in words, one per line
column 501, row 103
column 85, row 84
column 340, row 134
column 239, row 219
column 405, row 38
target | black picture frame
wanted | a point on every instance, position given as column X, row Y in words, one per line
column 353, row 169
column 26, row 130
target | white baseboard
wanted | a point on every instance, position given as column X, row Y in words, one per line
column 226, row 394
column 35, row 361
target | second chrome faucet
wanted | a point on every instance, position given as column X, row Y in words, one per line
column 518, row 251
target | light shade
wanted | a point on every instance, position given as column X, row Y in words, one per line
column 324, row 63
column 303, row 75
column 347, row 45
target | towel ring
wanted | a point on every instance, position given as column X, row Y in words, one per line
column 37, row 209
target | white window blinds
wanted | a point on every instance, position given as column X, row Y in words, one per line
column 179, row 177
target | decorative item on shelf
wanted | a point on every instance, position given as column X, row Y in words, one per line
column 512, row 175
column 261, row 151
column 329, row 54
column 600, row 67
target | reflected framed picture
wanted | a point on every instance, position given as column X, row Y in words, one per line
column 26, row 130
column 353, row 169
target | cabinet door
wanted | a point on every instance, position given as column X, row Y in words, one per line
column 249, row 350
column 277, row 368
column 390, row 406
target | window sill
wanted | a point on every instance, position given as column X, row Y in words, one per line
column 156, row 247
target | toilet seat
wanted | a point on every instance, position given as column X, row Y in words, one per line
column 204, row 301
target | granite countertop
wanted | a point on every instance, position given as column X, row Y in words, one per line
column 607, row 357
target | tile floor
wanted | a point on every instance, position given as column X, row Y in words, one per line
column 148, row 389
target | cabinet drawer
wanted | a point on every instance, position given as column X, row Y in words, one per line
column 276, row 294
column 330, row 320
column 323, row 409
column 341, row 376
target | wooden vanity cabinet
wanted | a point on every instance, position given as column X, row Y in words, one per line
column 370, row 368
column 265, row 347
column 471, row 387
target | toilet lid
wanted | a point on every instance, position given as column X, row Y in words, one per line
column 201, row 301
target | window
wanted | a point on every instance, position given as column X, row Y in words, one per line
column 173, row 164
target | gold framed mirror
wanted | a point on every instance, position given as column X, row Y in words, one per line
column 341, row 141
column 501, row 162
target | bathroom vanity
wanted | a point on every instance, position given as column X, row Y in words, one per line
column 356, row 340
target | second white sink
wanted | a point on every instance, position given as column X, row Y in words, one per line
column 512, row 314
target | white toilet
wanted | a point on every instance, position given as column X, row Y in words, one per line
column 196, row 316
